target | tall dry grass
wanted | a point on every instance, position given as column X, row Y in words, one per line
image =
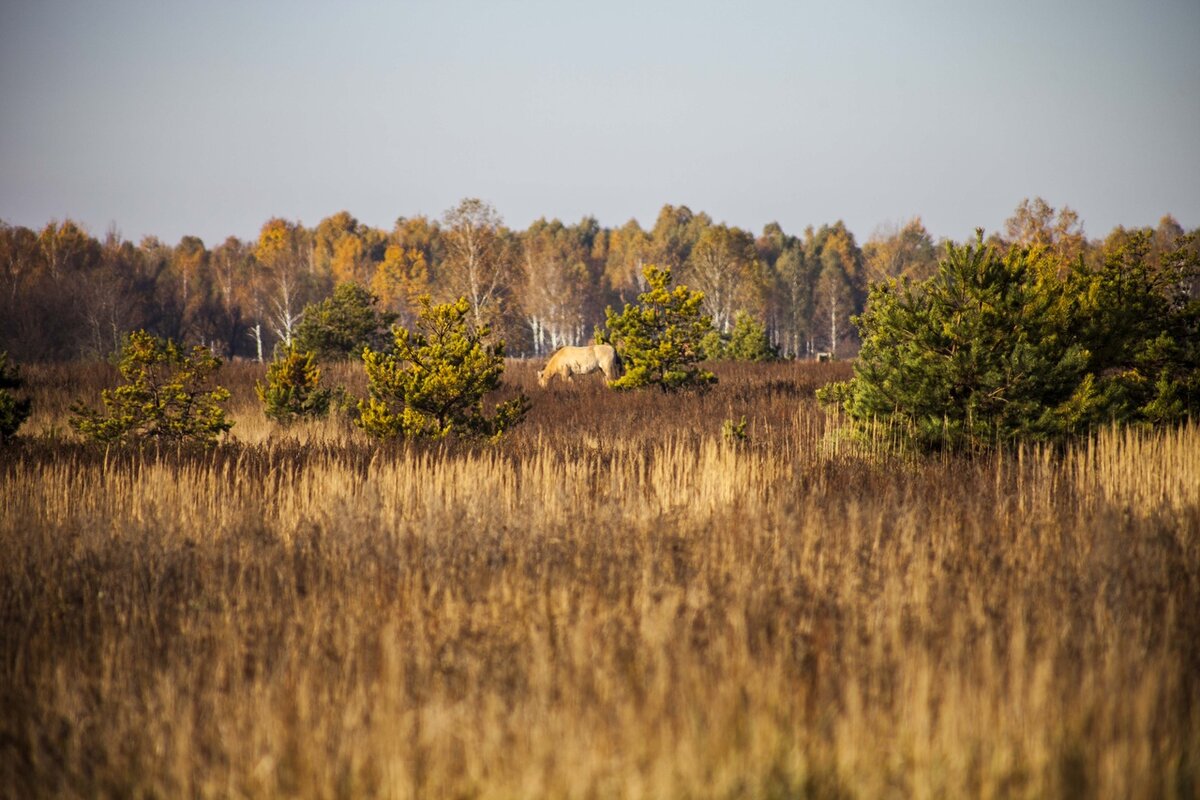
column 615, row 602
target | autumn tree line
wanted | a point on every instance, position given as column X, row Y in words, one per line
column 66, row 294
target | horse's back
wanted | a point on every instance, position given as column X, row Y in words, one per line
column 570, row 356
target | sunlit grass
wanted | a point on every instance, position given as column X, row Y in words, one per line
column 615, row 602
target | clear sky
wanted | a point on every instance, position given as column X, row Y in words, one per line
column 170, row 118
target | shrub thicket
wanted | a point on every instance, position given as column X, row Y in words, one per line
column 165, row 397
column 432, row 383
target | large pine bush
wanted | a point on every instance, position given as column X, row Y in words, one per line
column 998, row 347
column 340, row 326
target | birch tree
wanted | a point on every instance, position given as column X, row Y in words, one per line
column 478, row 258
column 555, row 287
column 281, row 250
column 723, row 265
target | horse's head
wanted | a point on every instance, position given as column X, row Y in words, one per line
column 543, row 378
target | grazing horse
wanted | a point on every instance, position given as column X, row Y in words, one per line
column 568, row 361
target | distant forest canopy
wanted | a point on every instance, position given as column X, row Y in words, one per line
column 66, row 294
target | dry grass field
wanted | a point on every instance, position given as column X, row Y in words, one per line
column 615, row 602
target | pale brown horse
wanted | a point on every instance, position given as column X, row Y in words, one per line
column 569, row 361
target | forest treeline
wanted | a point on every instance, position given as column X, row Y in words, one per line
column 67, row 294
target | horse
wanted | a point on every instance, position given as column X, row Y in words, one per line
column 569, row 361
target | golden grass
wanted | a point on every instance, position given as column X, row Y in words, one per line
column 614, row 602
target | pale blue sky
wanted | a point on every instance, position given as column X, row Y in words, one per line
column 168, row 118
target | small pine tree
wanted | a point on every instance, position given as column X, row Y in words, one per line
column 13, row 410
column 293, row 387
column 713, row 346
column 748, row 341
column 165, row 397
column 342, row 325
column 660, row 338
column 432, row 383
column 735, row 432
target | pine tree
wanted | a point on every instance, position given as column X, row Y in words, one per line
column 974, row 356
column 13, row 410
column 293, row 387
column 997, row 348
column 165, row 397
column 431, row 384
column 748, row 341
column 1142, row 322
column 660, row 337
column 342, row 325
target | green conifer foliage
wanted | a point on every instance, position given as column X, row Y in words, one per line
column 713, row 346
column 342, row 325
column 165, row 397
column 293, row 387
column 1141, row 321
column 748, row 341
column 13, row 410
column 660, row 337
column 996, row 348
column 431, row 384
